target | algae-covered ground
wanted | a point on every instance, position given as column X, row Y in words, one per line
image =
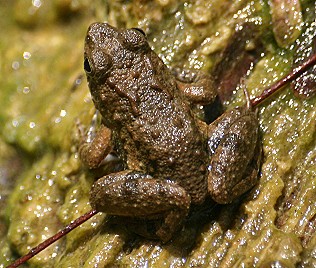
column 43, row 94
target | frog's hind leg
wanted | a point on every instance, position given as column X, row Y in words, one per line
column 135, row 194
column 235, row 154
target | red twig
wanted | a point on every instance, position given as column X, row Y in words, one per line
column 283, row 81
column 53, row 239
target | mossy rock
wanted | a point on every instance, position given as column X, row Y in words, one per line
column 44, row 94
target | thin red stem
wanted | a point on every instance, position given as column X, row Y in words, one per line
column 283, row 81
column 53, row 239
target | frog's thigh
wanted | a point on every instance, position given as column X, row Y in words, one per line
column 93, row 153
column 135, row 194
column 197, row 87
column 235, row 161
column 225, row 179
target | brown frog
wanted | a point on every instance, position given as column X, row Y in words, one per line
column 172, row 160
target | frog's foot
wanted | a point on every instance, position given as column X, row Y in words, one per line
column 134, row 194
column 145, row 227
column 196, row 86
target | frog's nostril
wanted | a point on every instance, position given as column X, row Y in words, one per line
column 86, row 66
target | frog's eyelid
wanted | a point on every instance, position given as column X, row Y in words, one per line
column 140, row 30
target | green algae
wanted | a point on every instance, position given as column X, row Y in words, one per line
column 40, row 61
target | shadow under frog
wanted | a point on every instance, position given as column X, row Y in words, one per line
column 172, row 160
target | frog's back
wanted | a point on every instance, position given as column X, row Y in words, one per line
column 169, row 144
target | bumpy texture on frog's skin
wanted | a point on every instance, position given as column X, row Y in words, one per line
column 147, row 117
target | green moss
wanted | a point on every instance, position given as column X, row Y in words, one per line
column 273, row 222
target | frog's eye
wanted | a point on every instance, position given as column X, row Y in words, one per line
column 86, row 66
column 97, row 63
column 140, row 30
column 134, row 39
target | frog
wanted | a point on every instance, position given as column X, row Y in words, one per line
column 172, row 159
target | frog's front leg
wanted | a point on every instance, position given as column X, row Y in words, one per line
column 235, row 154
column 196, row 86
column 135, row 194
column 95, row 145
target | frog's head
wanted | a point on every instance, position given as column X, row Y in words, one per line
column 117, row 62
column 108, row 49
column 121, row 67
